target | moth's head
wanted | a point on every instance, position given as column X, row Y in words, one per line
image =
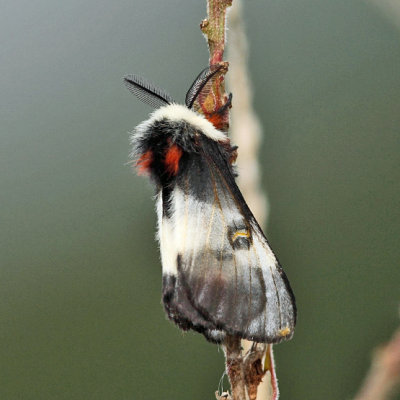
column 193, row 111
column 171, row 125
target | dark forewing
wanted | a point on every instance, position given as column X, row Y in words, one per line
column 226, row 272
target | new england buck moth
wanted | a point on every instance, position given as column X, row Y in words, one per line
column 220, row 275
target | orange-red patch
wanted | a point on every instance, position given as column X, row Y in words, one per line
column 172, row 158
column 216, row 119
column 144, row 162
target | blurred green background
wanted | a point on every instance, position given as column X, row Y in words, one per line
column 80, row 277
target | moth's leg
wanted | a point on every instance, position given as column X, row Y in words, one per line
column 227, row 105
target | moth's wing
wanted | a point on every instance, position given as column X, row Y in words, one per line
column 176, row 298
column 225, row 270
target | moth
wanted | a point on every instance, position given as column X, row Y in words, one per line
column 219, row 274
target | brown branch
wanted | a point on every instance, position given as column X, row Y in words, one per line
column 213, row 29
column 247, row 369
column 235, row 367
column 254, row 368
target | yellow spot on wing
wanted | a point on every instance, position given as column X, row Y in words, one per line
column 284, row 332
column 242, row 233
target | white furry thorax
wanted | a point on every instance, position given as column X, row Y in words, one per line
column 178, row 112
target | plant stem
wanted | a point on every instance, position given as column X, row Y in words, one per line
column 245, row 372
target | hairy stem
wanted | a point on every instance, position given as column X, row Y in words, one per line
column 247, row 369
column 213, row 28
column 235, row 367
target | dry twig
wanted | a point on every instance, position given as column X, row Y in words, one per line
column 213, row 29
column 245, row 371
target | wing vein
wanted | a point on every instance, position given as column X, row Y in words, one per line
column 224, row 232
